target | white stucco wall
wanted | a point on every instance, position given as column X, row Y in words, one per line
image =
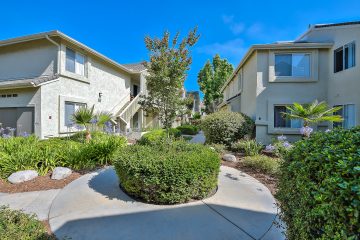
column 28, row 60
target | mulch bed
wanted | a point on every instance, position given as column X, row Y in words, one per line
column 269, row 181
column 38, row 184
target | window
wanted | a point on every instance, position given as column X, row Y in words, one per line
column 348, row 114
column 281, row 122
column 75, row 62
column 70, row 109
column 344, row 57
column 292, row 65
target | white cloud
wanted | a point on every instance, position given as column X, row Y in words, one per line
column 235, row 27
column 233, row 50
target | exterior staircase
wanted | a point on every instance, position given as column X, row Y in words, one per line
column 126, row 112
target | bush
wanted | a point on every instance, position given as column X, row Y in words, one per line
column 248, row 147
column 188, row 129
column 226, row 127
column 168, row 173
column 18, row 225
column 23, row 153
column 219, row 148
column 263, row 164
column 319, row 186
column 158, row 135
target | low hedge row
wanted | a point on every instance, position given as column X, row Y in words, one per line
column 319, row 187
column 168, row 173
column 188, row 129
column 158, row 135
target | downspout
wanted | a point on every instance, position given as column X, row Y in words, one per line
column 58, row 53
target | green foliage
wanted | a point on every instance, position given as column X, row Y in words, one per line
column 248, row 147
column 16, row 224
column 168, row 173
column 196, row 116
column 20, row 153
column 188, row 129
column 226, row 127
column 263, row 164
column 211, row 78
column 313, row 113
column 158, row 135
column 83, row 116
column 319, row 187
column 169, row 61
column 219, row 148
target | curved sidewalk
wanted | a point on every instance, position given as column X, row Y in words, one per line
column 94, row 207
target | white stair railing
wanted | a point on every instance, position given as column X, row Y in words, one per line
column 131, row 109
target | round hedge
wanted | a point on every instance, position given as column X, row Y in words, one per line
column 226, row 127
column 168, row 173
column 319, row 189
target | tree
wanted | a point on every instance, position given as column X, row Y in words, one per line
column 83, row 116
column 313, row 113
column 169, row 61
column 211, row 78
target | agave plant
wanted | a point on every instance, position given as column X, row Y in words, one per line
column 313, row 113
column 84, row 116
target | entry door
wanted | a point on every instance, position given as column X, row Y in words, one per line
column 136, row 90
column 20, row 118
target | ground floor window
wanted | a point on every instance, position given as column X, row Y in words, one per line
column 281, row 122
column 348, row 114
column 70, row 109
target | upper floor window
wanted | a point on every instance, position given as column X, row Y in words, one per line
column 281, row 122
column 292, row 65
column 344, row 57
column 75, row 62
column 348, row 114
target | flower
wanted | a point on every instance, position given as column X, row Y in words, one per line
column 270, row 148
column 281, row 138
column 25, row 134
column 306, row 131
column 327, row 130
column 286, row 144
column 93, row 121
column 108, row 127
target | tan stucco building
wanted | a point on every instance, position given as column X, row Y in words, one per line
column 45, row 77
column 321, row 64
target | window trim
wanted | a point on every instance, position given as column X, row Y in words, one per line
column 61, row 116
column 77, row 53
column 282, row 105
column 292, row 67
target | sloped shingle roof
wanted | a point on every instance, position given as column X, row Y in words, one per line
column 137, row 67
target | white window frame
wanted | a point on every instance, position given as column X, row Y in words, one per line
column 78, row 70
column 292, row 67
column 343, row 56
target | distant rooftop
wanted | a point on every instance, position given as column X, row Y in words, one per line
column 137, row 67
column 336, row 24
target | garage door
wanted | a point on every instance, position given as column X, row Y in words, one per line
column 20, row 118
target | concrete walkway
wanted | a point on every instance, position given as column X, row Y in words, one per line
column 198, row 138
column 94, row 207
column 38, row 202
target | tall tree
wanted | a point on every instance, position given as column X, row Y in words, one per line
column 211, row 78
column 170, row 60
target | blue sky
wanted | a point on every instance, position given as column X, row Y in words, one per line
column 117, row 28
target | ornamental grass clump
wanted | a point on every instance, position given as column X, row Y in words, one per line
column 319, row 191
column 168, row 173
column 227, row 127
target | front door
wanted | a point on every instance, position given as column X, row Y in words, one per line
column 135, row 90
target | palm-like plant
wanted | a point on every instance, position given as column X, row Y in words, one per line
column 102, row 118
column 83, row 116
column 313, row 113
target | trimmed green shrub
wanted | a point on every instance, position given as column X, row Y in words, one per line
column 248, row 147
column 16, row 224
column 319, row 189
column 226, row 127
column 263, row 164
column 188, row 129
column 158, row 135
column 168, row 173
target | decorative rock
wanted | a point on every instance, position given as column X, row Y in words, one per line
column 60, row 173
column 22, row 176
column 229, row 158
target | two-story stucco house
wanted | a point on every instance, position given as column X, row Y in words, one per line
column 45, row 77
column 321, row 64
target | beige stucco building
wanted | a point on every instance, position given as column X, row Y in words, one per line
column 320, row 64
column 45, row 77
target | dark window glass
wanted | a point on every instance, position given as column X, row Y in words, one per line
column 279, row 120
column 349, row 55
column 338, row 59
column 283, row 65
column 70, row 60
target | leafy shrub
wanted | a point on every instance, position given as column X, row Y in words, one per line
column 22, row 153
column 226, row 127
column 81, row 136
column 168, row 173
column 219, row 148
column 196, row 115
column 263, row 163
column 15, row 224
column 158, row 135
column 319, row 186
column 188, row 129
column 248, row 147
